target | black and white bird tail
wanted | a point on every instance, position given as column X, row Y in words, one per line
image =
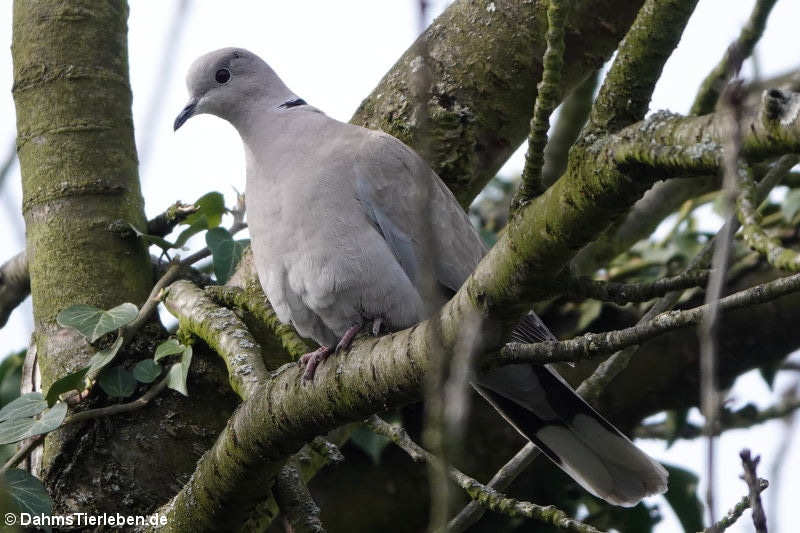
column 545, row 410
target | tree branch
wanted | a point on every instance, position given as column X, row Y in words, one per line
column 295, row 501
column 742, row 48
column 546, row 101
column 745, row 417
column 15, row 285
column 622, row 293
column 595, row 344
column 750, row 464
column 626, row 91
column 223, row 331
column 486, row 496
column 736, row 512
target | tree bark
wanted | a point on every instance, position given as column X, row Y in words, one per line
column 80, row 177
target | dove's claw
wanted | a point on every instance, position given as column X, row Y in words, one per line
column 347, row 338
column 312, row 359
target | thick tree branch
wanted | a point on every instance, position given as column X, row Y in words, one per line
column 295, row 500
column 677, row 145
column 223, row 331
column 626, row 91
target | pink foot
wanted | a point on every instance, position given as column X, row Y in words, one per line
column 312, row 359
column 347, row 338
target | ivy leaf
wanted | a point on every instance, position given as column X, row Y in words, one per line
column 225, row 251
column 102, row 359
column 370, row 442
column 18, row 429
column 682, row 497
column 117, row 382
column 154, row 239
column 28, row 493
column 210, row 208
column 74, row 381
column 146, row 371
column 93, row 323
column 791, row 205
column 168, row 347
column 179, row 372
column 27, row 405
column 10, row 375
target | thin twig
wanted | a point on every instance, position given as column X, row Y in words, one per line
column 486, row 496
column 548, row 92
column 750, row 476
column 622, row 293
column 714, row 82
column 745, row 417
column 595, row 344
column 138, row 403
column 736, row 512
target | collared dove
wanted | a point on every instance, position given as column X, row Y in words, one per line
column 349, row 226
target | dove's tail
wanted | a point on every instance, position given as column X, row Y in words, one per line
column 545, row 409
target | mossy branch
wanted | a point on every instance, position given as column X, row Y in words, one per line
column 222, row 330
column 595, row 344
column 742, row 48
column 626, row 91
column 752, row 231
column 622, row 293
column 547, row 99
column 477, row 491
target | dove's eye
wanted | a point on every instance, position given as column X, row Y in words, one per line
column 222, row 75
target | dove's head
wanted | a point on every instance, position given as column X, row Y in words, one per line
column 227, row 82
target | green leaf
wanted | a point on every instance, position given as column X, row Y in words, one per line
column 27, row 405
column 10, row 376
column 102, row 359
column 179, row 372
column 146, row 371
column 210, row 208
column 93, row 323
column 154, row 239
column 70, row 382
column 682, row 497
column 18, row 429
column 791, row 205
column 168, row 347
column 28, row 493
column 370, row 442
column 225, row 251
column 117, row 382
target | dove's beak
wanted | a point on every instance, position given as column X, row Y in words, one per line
column 186, row 114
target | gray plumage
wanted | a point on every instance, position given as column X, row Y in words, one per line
column 350, row 226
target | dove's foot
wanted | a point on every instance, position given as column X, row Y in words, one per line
column 312, row 359
column 347, row 338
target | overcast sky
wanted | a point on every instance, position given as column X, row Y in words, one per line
column 333, row 54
